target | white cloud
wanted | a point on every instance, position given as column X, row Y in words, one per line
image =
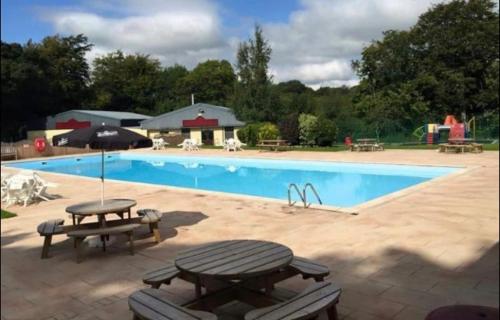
column 316, row 44
column 172, row 31
column 319, row 41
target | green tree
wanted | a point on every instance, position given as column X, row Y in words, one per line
column 446, row 64
column 41, row 79
column 254, row 97
column 211, row 81
column 127, row 82
column 325, row 132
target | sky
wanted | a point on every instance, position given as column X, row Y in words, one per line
column 313, row 41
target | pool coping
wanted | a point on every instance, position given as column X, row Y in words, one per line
column 354, row 210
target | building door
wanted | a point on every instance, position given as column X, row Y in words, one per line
column 229, row 133
column 207, row 136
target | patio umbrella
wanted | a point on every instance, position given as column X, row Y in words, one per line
column 102, row 137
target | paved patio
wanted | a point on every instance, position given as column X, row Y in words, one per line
column 398, row 259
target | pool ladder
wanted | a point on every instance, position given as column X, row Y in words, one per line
column 303, row 194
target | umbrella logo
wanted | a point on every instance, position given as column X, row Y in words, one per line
column 107, row 133
column 62, row 142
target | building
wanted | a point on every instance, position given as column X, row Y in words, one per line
column 76, row 119
column 205, row 123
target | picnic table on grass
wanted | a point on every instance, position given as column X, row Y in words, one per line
column 242, row 270
column 274, row 145
column 461, row 145
column 367, row 144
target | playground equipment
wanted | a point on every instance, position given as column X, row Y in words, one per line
column 433, row 133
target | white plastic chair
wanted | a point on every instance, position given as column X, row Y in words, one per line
column 159, row 144
column 230, row 145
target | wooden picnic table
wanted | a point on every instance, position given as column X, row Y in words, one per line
column 461, row 140
column 242, row 270
column 366, row 141
column 273, row 144
column 115, row 206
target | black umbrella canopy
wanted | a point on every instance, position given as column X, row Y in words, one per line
column 102, row 137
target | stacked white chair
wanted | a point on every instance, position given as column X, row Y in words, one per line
column 24, row 188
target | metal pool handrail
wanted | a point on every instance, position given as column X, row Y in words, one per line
column 314, row 191
column 290, row 203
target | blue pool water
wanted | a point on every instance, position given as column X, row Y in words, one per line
column 338, row 184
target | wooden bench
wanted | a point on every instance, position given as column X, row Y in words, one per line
column 151, row 217
column 80, row 234
column 319, row 297
column 161, row 276
column 447, row 147
column 53, row 227
column 309, row 269
column 149, row 304
column 8, row 151
column 47, row 229
column 274, row 145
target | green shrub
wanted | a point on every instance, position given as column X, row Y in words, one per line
column 249, row 134
column 325, row 132
column 307, row 127
column 268, row 131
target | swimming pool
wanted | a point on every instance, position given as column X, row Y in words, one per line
column 338, row 184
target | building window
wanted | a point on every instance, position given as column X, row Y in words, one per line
column 229, row 133
column 186, row 133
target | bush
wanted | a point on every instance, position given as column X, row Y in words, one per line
column 249, row 134
column 325, row 132
column 307, row 127
column 268, row 131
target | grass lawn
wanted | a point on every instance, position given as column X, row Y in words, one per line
column 7, row 214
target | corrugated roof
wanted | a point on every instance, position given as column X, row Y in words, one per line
column 119, row 115
column 173, row 120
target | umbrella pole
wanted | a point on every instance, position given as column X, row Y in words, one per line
column 102, row 176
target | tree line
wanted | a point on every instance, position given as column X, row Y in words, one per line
column 447, row 63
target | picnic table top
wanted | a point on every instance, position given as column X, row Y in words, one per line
column 273, row 141
column 235, row 259
column 95, row 207
column 461, row 140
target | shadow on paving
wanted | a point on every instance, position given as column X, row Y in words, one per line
column 398, row 284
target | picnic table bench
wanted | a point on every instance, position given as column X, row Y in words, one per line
column 274, row 145
column 53, row 227
column 316, row 298
column 461, row 147
column 367, row 145
column 245, row 270
column 149, row 304
column 8, row 150
column 80, row 234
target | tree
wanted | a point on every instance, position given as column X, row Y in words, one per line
column 41, row 79
column 325, row 132
column 126, row 82
column 211, row 81
column 254, row 98
column 446, row 64
column 289, row 128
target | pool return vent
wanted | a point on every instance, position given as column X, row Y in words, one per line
column 303, row 194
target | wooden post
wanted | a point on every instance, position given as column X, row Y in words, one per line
column 332, row 313
column 46, row 245
column 156, row 231
column 79, row 249
column 131, row 241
